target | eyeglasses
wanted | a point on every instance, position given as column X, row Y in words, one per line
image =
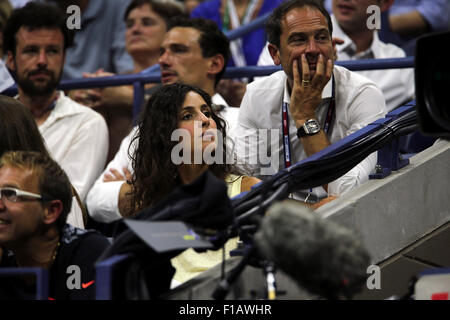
column 13, row 195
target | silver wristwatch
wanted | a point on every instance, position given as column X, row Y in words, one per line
column 309, row 128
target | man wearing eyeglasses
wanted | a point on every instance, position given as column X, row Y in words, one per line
column 35, row 199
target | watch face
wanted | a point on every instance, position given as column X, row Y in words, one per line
column 312, row 126
column 309, row 128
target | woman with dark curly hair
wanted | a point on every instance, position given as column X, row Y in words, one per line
column 173, row 107
column 181, row 110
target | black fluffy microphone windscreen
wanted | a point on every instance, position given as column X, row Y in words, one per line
column 322, row 257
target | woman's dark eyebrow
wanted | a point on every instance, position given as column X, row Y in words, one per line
column 191, row 107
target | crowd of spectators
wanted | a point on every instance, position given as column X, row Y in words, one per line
column 75, row 160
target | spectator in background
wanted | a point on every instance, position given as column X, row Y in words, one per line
column 98, row 44
column 146, row 24
column 230, row 15
column 5, row 12
column 190, row 5
column 35, row 39
column 5, row 78
column 35, row 199
column 408, row 19
column 350, row 24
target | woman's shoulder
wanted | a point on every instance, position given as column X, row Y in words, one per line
column 234, row 182
column 239, row 183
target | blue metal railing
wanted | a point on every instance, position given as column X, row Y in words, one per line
column 232, row 72
column 104, row 271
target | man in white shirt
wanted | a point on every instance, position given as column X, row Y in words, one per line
column 194, row 51
column 36, row 39
column 350, row 24
column 296, row 104
column 359, row 42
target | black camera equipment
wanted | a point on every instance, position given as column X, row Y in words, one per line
column 432, row 77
